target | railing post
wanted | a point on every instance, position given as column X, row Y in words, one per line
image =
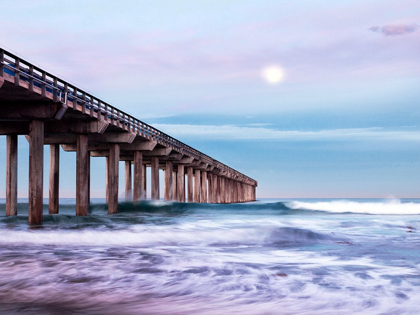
column 84, row 103
column 44, row 84
column 99, row 110
column 92, row 108
column 65, row 93
column 17, row 71
column 74, row 98
column 106, row 111
column 1, row 62
column 31, row 80
column 55, row 91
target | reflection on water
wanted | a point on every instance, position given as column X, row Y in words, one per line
column 290, row 257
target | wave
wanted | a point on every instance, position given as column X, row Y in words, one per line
column 182, row 235
column 175, row 209
column 392, row 206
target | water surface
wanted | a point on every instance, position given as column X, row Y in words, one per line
column 266, row 257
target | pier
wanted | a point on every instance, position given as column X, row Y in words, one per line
column 51, row 111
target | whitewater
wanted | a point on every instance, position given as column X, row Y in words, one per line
column 277, row 256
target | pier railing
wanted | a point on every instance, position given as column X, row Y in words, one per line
column 35, row 79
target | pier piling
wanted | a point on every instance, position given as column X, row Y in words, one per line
column 168, row 181
column 181, row 183
column 197, row 186
column 128, row 181
column 113, row 170
column 190, row 184
column 54, row 178
column 155, row 178
column 82, row 175
column 203, row 197
column 36, row 171
column 11, row 174
column 138, row 176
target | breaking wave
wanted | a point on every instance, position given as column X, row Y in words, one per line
column 392, row 206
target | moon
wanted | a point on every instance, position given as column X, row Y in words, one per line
column 273, row 74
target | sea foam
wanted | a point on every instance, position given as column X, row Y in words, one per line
column 391, row 206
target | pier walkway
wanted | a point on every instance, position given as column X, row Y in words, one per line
column 51, row 111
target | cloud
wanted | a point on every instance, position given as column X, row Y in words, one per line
column 232, row 132
column 396, row 29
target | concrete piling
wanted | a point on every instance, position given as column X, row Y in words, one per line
column 36, row 171
column 54, row 179
column 82, row 175
column 128, row 181
column 113, row 176
column 11, row 174
column 155, row 178
column 138, row 176
column 181, row 183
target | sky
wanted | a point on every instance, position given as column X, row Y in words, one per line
column 311, row 98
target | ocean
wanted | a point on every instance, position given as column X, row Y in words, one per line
column 277, row 256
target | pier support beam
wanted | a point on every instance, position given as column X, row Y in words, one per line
column 82, row 175
column 144, row 179
column 155, row 178
column 174, row 186
column 231, row 191
column 203, row 197
column 222, row 190
column 54, row 179
column 190, row 184
column 11, row 175
column 214, row 188
column 210, row 188
column 88, row 159
column 168, row 181
column 138, row 176
column 106, row 179
column 113, row 170
column 197, row 186
column 36, row 171
column 227, row 189
column 181, row 183
column 217, row 191
column 128, row 180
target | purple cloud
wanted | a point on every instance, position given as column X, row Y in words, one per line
column 396, row 29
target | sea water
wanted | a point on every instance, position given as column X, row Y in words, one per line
column 265, row 257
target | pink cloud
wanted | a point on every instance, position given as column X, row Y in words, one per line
column 396, row 29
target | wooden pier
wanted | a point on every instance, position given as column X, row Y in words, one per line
column 50, row 111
